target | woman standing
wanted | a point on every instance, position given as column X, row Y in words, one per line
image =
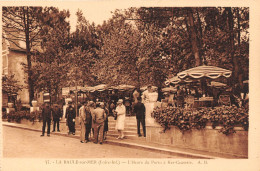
column 120, row 122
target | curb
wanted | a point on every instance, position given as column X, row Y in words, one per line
column 130, row 145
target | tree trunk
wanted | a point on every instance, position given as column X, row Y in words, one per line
column 230, row 24
column 193, row 37
column 28, row 53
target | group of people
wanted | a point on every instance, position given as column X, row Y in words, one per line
column 93, row 119
column 48, row 114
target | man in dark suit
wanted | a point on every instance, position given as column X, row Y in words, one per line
column 56, row 114
column 46, row 118
column 70, row 117
column 139, row 110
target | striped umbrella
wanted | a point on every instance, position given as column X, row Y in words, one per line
column 168, row 89
column 101, row 87
column 212, row 72
column 125, row 87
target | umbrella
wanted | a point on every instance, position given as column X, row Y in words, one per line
column 113, row 88
column 212, row 72
column 177, row 80
column 173, row 80
column 217, row 84
column 168, row 89
column 125, row 87
column 145, row 88
column 100, row 87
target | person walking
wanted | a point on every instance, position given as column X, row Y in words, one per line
column 88, row 125
column 139, row 110
column 99, row 117
column 120, row 121
column 56, row 115
column 82, row 122
column 70, row 117
column 46, row 118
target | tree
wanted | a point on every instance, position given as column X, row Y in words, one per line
column 50, row 62
column 10, row 86
column 22, row 24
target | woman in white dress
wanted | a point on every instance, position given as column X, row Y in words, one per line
column 120, row 121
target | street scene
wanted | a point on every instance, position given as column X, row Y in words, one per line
column 64, row 147
column 145, row 82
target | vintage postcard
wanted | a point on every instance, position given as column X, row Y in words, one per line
column 132, row 85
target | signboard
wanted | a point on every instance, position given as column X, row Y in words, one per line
column 65, row 91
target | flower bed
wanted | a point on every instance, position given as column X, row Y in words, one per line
column 187, row 119
column 19, row 115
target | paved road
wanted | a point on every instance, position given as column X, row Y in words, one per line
column 21, row 143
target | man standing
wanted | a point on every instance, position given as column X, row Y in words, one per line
column 70, row 116
column 99, row 117
column 56, row 114
column 139, row 110
column 82, row 122
column 46, row 118
column 88, row 122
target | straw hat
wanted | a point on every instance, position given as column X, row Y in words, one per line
column 120, row 101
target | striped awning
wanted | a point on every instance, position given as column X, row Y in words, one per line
column 217, row 84
column 169, row 89
column 212, row 72
column 125, row 87
column 173, row 80
column 101, row 87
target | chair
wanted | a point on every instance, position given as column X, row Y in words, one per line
column 224, row 100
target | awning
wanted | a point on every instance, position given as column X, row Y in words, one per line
column 125, row 87
column 212, row 72
column 168, row 89
column 217, row 84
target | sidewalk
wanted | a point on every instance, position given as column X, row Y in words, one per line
column 139, row 143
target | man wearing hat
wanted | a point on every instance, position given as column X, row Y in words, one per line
column 139, row 110
column 99, row 117
column 46, row 118
column 70, row 116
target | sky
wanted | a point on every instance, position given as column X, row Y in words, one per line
column 92, row 11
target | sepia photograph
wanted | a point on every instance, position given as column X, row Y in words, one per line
column 119, row 84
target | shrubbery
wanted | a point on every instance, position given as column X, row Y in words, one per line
column 186, row 119
column 19, row 115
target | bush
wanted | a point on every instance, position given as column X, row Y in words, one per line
column 186, row 119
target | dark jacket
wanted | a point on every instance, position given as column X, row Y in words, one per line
column 88, row 115
column 139, row 110
column 56, row 113
column 46, row 112
column 70, row 113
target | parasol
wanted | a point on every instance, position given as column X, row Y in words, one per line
column 145, row 88
column 212, row 72
column 217, row 84
column 125, row 87
column 100, row 87
column 168, row 89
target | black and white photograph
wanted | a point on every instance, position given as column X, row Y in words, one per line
column 125, row 85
